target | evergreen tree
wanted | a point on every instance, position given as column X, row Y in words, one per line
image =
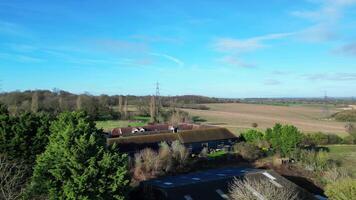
column 77, row 164
column 24, row 136
column 284, row 139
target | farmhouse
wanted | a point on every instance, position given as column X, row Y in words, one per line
column 194, row 139
column 212, row 185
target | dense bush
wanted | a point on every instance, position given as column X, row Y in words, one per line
column 344, row 189
column 248, row 151
column 348, row 140
column 77, row 164
column 150, row 164
column 23, row 136
column 321, row 139
column 315, row 160
column 252, row 135
column 284, row 139
column 345, row 116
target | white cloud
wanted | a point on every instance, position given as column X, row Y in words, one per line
column 236, row 62
column 325, row 19
column 20, row 58
column 10, row 28
column 271, row 82
column 171, row 58
column 246, row 45
column 330, row 76
column 348, row 49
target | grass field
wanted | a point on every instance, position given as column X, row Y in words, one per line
column 346, row 155
column 240, row 116
column 111, row 124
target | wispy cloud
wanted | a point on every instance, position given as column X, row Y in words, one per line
column 20, row 58
column 156, row 38
column 14, row 29
column 171, row 58
column 348, row 49
column 236, row 62
column 271, row 82
column 122, row 46
column 325, row 19
column 330, row 76
column 233, row 48
column 246, row 45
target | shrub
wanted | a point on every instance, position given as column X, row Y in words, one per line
column 180, row 154
column 348, row 140
column 248, row 151
column 316, row 139
column 334, row 174
column 345, row 116
column 244, row 190
column 284, row 139
column 254, row 125
column 147, row 165
column 151, row 164
column 314, row 160
column 204, row 153
column 344, row 189
column 334, row 139
column 165, row 155
column 252, row 135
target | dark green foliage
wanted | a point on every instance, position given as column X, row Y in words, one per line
column 349, row 140
column 252, row 135
column 321, row 139
column 345, row 116
column 284, row 139
column 77, row 164
column 3, row 109
column 24, row 136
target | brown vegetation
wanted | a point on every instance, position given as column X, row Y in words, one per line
column 260, row 189
column 237, row 116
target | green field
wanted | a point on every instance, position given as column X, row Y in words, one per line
column 346, row 155
column 111, row 124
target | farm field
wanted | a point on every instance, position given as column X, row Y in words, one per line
column 240, row 116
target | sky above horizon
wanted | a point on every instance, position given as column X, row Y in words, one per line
column 221, row 48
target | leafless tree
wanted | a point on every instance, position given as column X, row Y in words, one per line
column 79, row 102
column 34, row 102
column 125, row 108
column 12, row 179
column 153, row 109
column 260, row 189
column 120, row 104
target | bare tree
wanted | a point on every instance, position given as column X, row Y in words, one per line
column 79, row 102
column 260, row 189
column 12, row 179
column 125, row 108
column 120, row 104
column 153, row 109
column 34, row 102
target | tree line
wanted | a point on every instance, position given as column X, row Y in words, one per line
column 99, row 107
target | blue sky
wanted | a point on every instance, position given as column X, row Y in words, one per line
column 223, row 48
